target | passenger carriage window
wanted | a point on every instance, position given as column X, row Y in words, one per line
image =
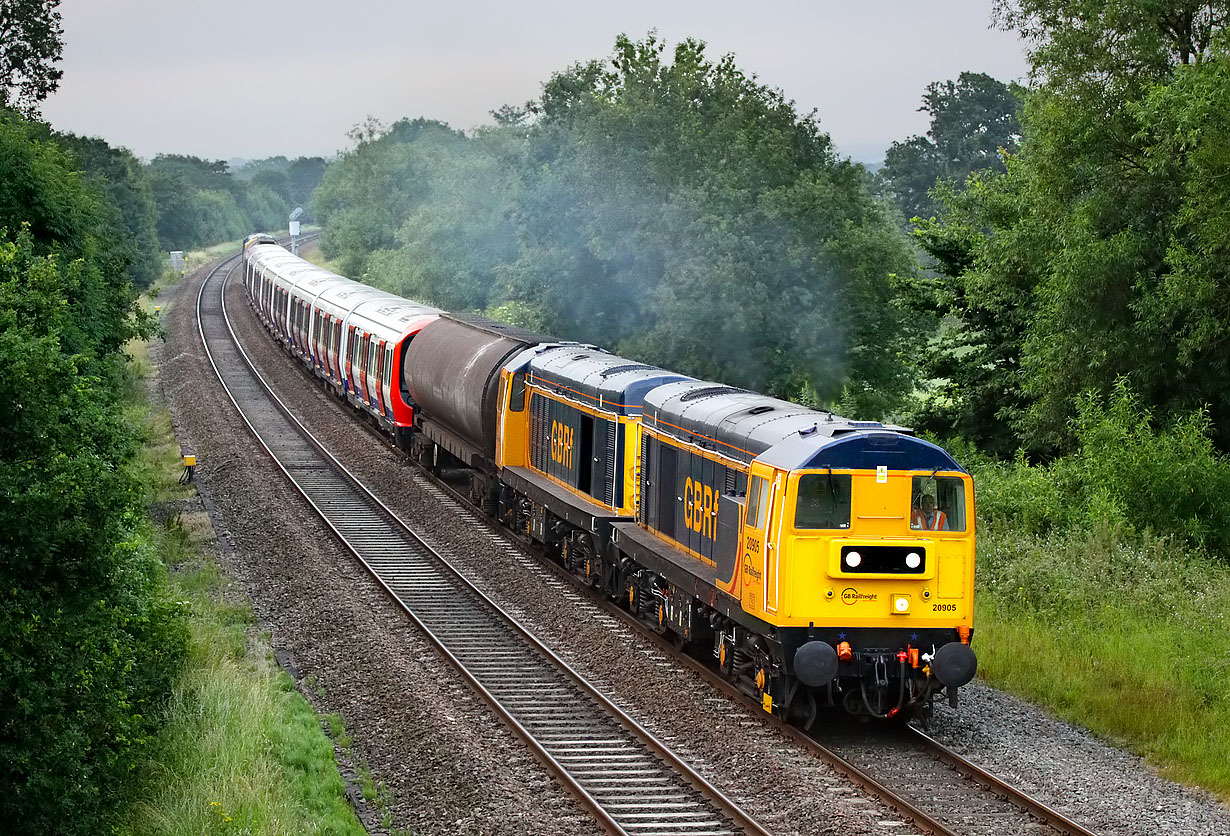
column 823, row 501
column 937, row 503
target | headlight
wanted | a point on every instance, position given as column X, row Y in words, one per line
column 913, row 560
column 901, row 603
column 853, row 559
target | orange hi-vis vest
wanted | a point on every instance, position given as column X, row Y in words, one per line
column 938, row 521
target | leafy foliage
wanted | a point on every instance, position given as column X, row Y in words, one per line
column 664, row 205
column 41, row 191
column 1095, row 255
column 1125, row 474
column 30, row 45
column 197, row 202
column 293, row 181
column 120, row 178
column 973, row 120
column 88, row 643
column 369, row 194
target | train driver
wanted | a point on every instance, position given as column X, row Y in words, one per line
column 927, row 516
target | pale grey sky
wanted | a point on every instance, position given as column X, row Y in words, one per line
column 246, row 78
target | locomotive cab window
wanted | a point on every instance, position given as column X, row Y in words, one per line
column 757, row 502
column 937, row 503
column 516, row 399
column 823, row 501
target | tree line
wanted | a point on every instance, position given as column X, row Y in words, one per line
column 662, row 204
column 90, row 642
column 1068, row 233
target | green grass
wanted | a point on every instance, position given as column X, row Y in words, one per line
column 1124, row 634
column 240, row 752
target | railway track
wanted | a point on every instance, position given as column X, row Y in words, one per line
column 631, row 781
column 942, row 792
column 930, row 787
column 927, row 784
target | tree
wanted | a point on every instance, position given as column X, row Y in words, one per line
column 30, row 45
column 1102, row 236
column 42, row 192
column 201, row 203
column 973, row 120
column 88, row 642
column 365, row 197
column 121, row 179
column 664, row 205
column 670, row 198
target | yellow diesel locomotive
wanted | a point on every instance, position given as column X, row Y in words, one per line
column 822, row 561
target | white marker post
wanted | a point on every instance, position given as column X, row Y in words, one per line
column 294, row 230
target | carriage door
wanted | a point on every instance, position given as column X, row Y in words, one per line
column 757, row 554
column 349, row 365
column 337, row 349
column 773, row 535
column 669, row 502
column 364, row 367
column 380, row 376
column 326, row 344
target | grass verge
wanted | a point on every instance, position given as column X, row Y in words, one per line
column 1123, row 634
column 240, row 751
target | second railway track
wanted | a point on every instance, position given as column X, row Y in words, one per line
column 631, row 781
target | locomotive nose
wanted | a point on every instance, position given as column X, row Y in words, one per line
column 954, row 664
column 815, row 664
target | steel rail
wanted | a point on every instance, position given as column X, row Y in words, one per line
column 631, row 782
column 1056, row 820
column 864, row 778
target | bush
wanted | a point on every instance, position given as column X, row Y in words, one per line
column 1126, row 475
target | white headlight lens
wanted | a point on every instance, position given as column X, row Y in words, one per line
column 913, row 560
column 901, row 604
column 853, row 559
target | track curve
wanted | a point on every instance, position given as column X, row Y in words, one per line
column 631, row 781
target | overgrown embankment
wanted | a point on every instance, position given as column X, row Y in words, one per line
column 239, row 750
column 1104, row 585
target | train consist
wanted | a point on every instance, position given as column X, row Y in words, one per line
column 823, row 561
